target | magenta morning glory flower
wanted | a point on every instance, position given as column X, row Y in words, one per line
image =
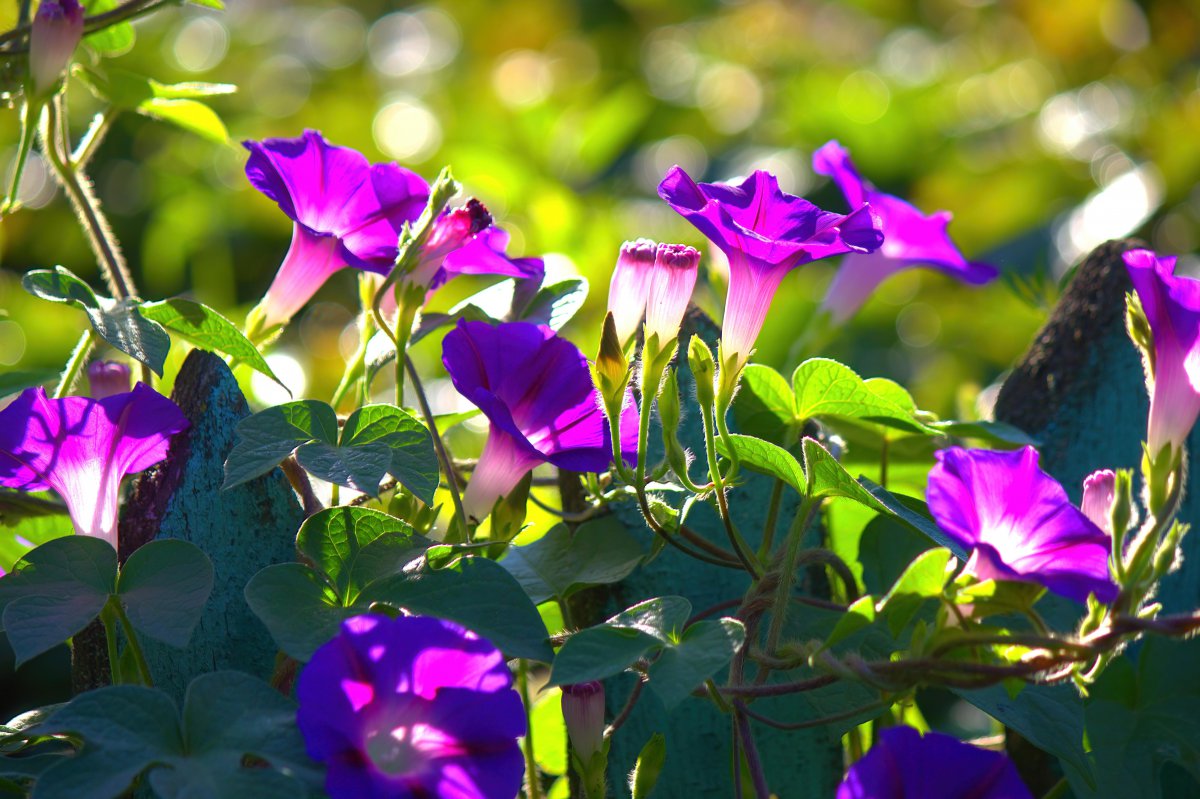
column 904, row 764
column 537, row 393
column 346, row 212
column 765, row 233
column 910, row 239
column 410, row 708
column 57, row 29
column 1018, row 523
column 82, row 448
column 1099, row 492
column 1172, row 307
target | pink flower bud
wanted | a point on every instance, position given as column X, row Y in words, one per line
column 1099, row 491
column 57, row 29
column 583, row 711
column 108, row 378
column 631, row 285
column 671, row 286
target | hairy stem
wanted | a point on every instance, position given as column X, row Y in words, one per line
column 79, row 357
column 447, row 463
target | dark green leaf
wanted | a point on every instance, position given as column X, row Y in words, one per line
column 609, row 648
column 474, row 592
column 561, row 562
column 915, row 514
column 335, row 538
column 15, row 381
column 361, row 468
column 859, row 616
column 556, row 304
column 118, row 322
column 704, row 648
column 54, row 592
column 299, row 609
column 202, row 326
column 267, row 437
column 924, row 579
column 413, row 461
column 164, row 585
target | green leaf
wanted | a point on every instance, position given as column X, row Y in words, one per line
column 217, row 4
column 335, row 538
column 475, row 592
column 827, row 389
column 924, row 579
column 267, row 437
column 118, row 322
column 704, row 648
column 561, row 562
column 995, row 597
column 54, row 592
column 18, row 535
column 765, row 405
column 17, row 380
column 915, row 514
column 859, row 616
column 556, row 304
column 191, row 115
column 613, row 646
column 229, row 719
column 827, row 478
column 886, row 546
column 763, row 456
column 113, row 40
column 190, row 90
column 412, row 459
column 164, row 586
column 991, row 432
column 202, row 326
column 299, row 609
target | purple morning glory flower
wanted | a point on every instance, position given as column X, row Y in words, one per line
column 907, row 765
column 1172, row 307
column 910, row 239
column 82, row 448
column 410, row 708
column 1018, row 522
column 537, row 392
column 765, row 233
column 346, row 211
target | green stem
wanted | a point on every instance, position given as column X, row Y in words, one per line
column 787, row 577
column 335, row 492
column 883, row 462
column 740, row 548
column 768, row 537
column 109, row 620
column 532, row 786
column 439, row 446
column 79, row 357
column 101, row 123
column 131, row 640
column 29, row 124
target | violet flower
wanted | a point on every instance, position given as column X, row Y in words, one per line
column 1172, row 307
column 82, row 448
column 537, row 392
column 409, row 708
column 346, row 212
column 106, row 378
column 765, row 233
column 904, row 764
column 655, row 281
column 57, row 29
column 910, row 239
column 1018, row 522
column 583, row 713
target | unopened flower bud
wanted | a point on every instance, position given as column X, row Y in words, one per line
column 57, row 29
column 611, row 370
column 701, row 362
column 583, row 711
column 668, row 402
column 1099, row 489
column 1121, row 511
column 452, row 229
column 674, row 278
column 630, row 286
column 108, row 378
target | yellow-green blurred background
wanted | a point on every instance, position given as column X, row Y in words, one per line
column 1046, row 127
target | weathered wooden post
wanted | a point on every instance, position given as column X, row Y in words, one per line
column 798, row 765
column 242, row 529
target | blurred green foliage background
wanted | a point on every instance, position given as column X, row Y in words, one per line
column 1044, row 127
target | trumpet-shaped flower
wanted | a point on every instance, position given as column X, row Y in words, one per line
column 409, row 708
column 910, row 239
column 57, row 29
column 1018, row 523
column 537, row 393
column 907, row 765
column 82, row 448
column 765, row 233
column 1172, row 307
